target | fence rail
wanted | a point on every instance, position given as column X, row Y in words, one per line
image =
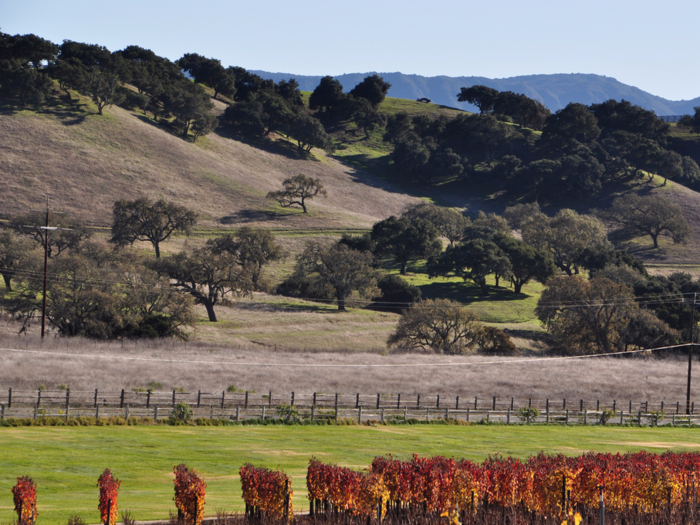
column 256, row 400
column 360, row 414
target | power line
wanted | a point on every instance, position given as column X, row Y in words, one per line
column 669, row 298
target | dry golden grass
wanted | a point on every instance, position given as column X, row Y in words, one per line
column 86, row 162
column 213, row 367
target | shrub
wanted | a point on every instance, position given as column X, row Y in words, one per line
column 397, row 294
column 496, row 342
column 181, row 414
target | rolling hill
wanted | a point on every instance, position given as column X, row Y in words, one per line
column 86, row 162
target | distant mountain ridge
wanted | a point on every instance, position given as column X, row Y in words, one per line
column 554, row 91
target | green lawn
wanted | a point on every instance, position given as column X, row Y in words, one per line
column 66, row 461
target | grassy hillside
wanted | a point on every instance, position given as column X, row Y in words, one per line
column 86, row 162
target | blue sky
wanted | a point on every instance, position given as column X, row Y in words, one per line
column 648, row 44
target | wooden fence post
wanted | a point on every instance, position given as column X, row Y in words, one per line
column 398, row 401
column 173, row 403
column 378, row 399
column 622, row 417
column 238, row 413
column 336, row 405
column 312, row 412
column 475, row 400
column 614, row 403
column 313, row 402
column 67, row 398
column 357, row 400
column 467, row 414
column 121, row 399
column 148, row 398
column 246, row 400
column 292, row 400
column 512, row 402
column 405, row 414
column 199, row 397
column 508, row 417
column 457, row 403
column 438, row 402
column 223, row 397
column 38, row 398
column 269, row 398
column 155, row 413
column 2, row 412
column 95, row 398
column 9, row 398
column 418, row 401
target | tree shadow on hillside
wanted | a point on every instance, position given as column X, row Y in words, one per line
column 276, row 147
column 468, row 293
column 247, row 216
column 69, row 113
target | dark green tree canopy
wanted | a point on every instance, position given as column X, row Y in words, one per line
column 473, row 260
column 373, row 89
column 574, row 122
column 327, row 96
column 406, row 239
column 483, row 97
column 209, row 71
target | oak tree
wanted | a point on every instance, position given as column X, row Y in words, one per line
column 297, row 190
column 144, row 220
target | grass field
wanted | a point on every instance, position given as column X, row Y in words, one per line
column 66, row 462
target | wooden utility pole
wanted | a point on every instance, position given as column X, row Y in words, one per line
column 46, row 272
column 690, row 354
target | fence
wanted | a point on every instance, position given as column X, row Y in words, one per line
column 251, row 399
column 671, row 118
column 241, row 406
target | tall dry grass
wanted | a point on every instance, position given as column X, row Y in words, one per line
column 85, row 365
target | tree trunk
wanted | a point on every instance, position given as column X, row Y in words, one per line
column 403, row 267
column 341, row 302
column 303, row 206
column 655, row 238
column 210, row 310
column 517, row 286
column 156, row 246
column 7, row 279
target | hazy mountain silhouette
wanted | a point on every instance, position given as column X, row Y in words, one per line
column 555, row 91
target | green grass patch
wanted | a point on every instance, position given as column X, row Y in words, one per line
column 500, row 306
column 66, row 461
